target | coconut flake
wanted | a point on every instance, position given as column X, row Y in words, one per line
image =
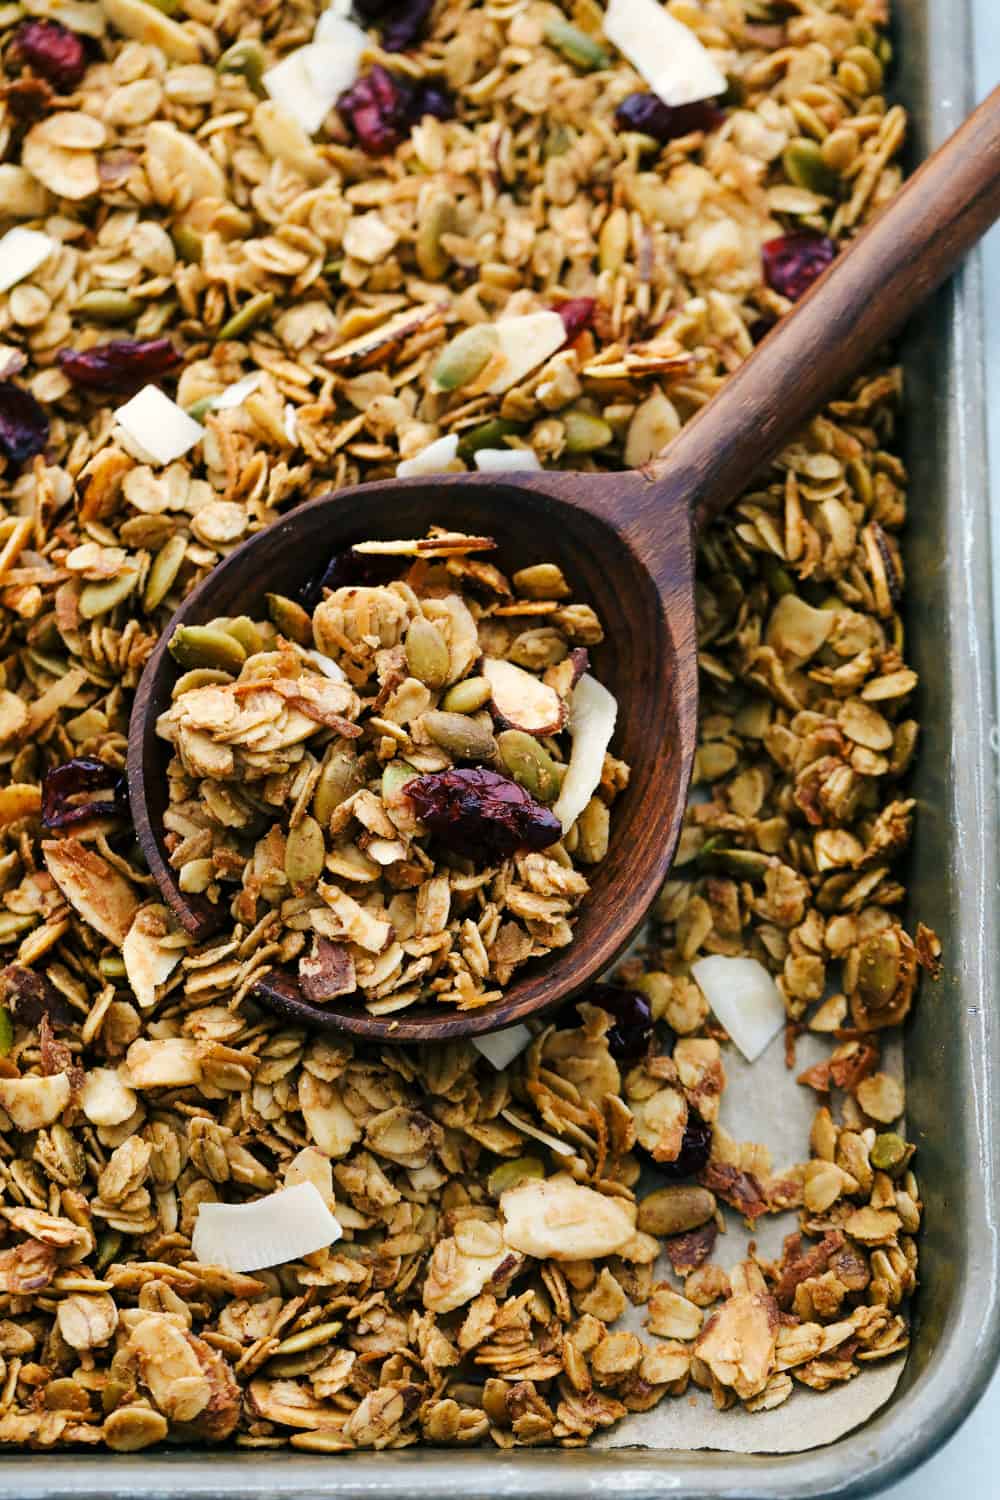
column 744, row 998
column 665, row 51
column 235, row 394
column 501, row 1047
column 307, row 83
column 503, row 460
column 436, row 458
column 552, row 1141
column 278, row 1228
column 592, row 715
column 21, row 252
column 158, row 426
column 325, row 664
column 525, row 342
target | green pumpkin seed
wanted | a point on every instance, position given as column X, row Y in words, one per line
column 101, row 598
column 529, row 763
column 509, row 1173
column 198, row 678
column 465, row 357
column 206, row 646
column 541, row 581
column 489, row 434
column 246, row 317
column 290, row 619
column 309, row 1338
column 889, row 1151
column 395, row 776
column 108, row 306
column 245, row 631
column 438, row 219
column 247, row 58
column 879, row 969
column 112, row 966
column 338, row 780
column 613, row 240
column 557, row 142
column 6, row 1031
column 305, row 851
column 803, row 162
column 460, row 735
column 585, row 433
column 467, row 696
column 427, row 654
column 576, row 46
column 108, row 1246
column 188, row 243
column 163, row 571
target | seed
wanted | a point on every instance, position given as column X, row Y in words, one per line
column 6, row 1031
column 427, row 654
column 612, row 243
column 460, row 735
column 101, row 598
column 888, row 1151
column 108, row 306
column 395, row 776
column 200, row 677
column 437, row 220
column 203, row 646
column 339, row 778
column 541, row 581
column 489, row 434
column 594, row 828
column 804, row 163
column 305, row 851
column 188, row 243
column 878, row 970
column 108, row 1246
column 467, row 696
column 465, row 357
column 163, row 571
column 839, row 149
column 529, row 763
column 675, row 1210
column 557, row 142
column 290, row 619
column 576, row 46
column 247, row 58
column 112, row 966
column 245, row 631
column 246, row 317
column 585, row 433
column 509, row 1173
column 865, row 59
column 309, row 1338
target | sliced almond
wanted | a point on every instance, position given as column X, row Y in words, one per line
column 523, row 701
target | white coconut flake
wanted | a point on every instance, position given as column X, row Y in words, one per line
column 307, row 83
column 744, row 998
column 665, row 51
column 592, row 715
column 158, row 426
column 280, row 1227
column 290, row 423
column 21, row 252
column 501, row 1047
column 326, row 665
column 525, row 343
column 552, row 1141
column 436, row 458
column 235, row 394
column 505, row 460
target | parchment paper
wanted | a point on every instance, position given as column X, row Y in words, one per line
column 763, row 1103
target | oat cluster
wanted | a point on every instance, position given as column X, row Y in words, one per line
column 477, row 1293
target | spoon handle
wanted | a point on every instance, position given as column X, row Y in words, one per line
column 864, row 297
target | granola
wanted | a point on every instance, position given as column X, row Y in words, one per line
column 226, row 305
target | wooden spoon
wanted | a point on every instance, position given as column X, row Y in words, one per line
column 626, row 543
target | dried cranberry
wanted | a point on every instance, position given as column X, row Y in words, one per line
column 648, row 115
column 793, row 262
column 405, row 25
column 53, row 51
column 119, row 365
column 633, row 1019
column 434, row 99
column 481, row 814
column 577, row 314
column 350, row 569
column 74, row 778
column 30, row 997
column 24, row 427
column 696, row 1148
column 382, row 107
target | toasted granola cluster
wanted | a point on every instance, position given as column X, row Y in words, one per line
column 322, row 306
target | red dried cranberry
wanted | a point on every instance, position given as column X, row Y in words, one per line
column 119, row 365
column 53, row 51
column 577, row 314
column 633, row 1018
column 405, row 24
column 481, row 814
column 350, row 569
column 696, row 1148
column 434, row 99
column 648, row 115
column 382, row 107
column 30, row 997
column 24, row 427
column 793, row 262
column 73, row 779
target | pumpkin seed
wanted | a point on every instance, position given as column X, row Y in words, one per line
column 675, row 1210
column 803, row 161
column 163, row 571
column 109, row 1245
column 888, row 1151
column 309, row 1338
column 395, row 776
column 166, row 7
column 467, row 696
column 879, row 964
column 585, row 433
column 557, row 142
column 108, row 306
column 6, row 1031
column 529, row 763
column 199, row 677
column 305, row 851
column 509, row 1173
column 489, row 434
column 290, row 619
column 541, row 581
column 339, row 778
column 427, row 654
column 437, row 219
column 247, row 58
column 246, row 317
column 612, row 242
column 101, row 598
column 112, row 966
column 204, row 646
column 188, row 243
column 459, row 735
column 243, row 629
column 576, row 46
column 464, row 358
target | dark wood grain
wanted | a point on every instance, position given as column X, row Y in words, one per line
column 625, row 542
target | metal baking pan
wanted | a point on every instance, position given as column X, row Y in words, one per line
column 952, row 1043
